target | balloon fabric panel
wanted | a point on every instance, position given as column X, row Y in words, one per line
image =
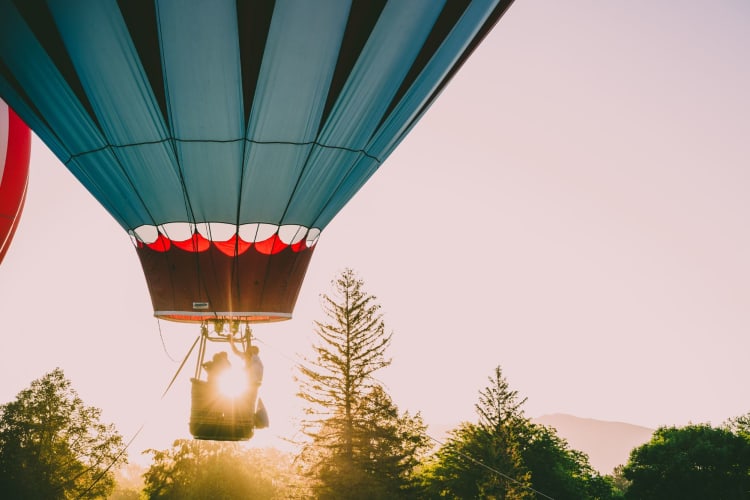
column 15, row 150
column 257, row 119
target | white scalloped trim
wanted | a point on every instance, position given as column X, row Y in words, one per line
column 289, row 234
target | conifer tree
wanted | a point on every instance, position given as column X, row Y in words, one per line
column 360, row 446
column 483, row 459
column 505, row 455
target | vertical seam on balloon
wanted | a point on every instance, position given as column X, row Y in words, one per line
column 443, row 26
column 202, row 288
column 83, row 99
column 286, row 208
column 480, row 35
column 135, row 15
column 113, row 148
column 47, row 33
column 236, row 262
column 251, row 62
column 35, row 113
column 352, row 42
column 486, row 27
column 209, row 255
column 341, row 182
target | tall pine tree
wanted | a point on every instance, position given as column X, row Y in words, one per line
column 360, row 446
column 505, row 455
column 483, row 459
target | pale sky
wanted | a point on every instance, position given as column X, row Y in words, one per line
column 574, row 208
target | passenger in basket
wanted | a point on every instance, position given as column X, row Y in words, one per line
column 214, row 368
column 254, row 371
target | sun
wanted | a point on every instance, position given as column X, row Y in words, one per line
column 233, row 382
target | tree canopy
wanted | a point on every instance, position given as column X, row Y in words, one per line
column 559, row 471
column 193, row 469
column 505, row 455
column 739, row 425
column 483, row 459
column 691, row 462
column 53, row 446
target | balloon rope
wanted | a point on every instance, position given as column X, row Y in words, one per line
column 181, row 366
column 125, row 448
column 164, row 345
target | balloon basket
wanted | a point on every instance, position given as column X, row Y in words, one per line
column 214, row 415
column 217, row 417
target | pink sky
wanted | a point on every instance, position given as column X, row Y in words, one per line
column 573, row 208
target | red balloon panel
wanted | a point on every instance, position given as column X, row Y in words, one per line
column 15, row 151
column 194, row 286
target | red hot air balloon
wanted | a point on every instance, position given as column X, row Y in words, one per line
column 15, row 150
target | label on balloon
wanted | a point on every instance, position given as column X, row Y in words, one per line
column 200, row 305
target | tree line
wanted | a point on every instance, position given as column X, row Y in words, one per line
column 358, row 444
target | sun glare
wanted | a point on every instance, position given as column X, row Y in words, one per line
column 233, row 382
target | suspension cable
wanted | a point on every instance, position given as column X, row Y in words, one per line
column 163, row 344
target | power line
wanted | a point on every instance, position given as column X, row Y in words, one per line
column 135, row 435
column 440, row 443
column 491, row 469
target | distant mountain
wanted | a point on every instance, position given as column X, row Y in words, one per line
column 608, row 444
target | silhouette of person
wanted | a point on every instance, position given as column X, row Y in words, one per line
column 253, row 370
column 214, row 368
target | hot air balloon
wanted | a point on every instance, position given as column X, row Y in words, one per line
column 224, row 136
column 15, row 150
